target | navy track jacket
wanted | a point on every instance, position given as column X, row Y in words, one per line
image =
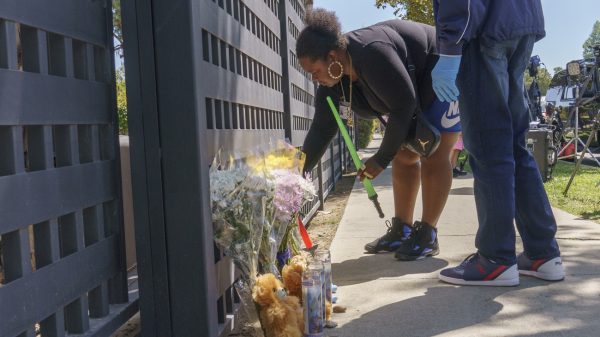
column 459, row 21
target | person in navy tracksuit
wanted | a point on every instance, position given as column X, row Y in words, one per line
column 484, row 48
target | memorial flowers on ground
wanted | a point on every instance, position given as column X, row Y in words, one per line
column 239, row 201
column 255, row 202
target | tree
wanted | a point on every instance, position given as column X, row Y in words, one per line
column 120, row 73
column 544, row 78
column 559, row 78
column 365, row 128
column 117, row 27
column 557, row 70
column 121, row 101
column 593, row 40
column 414, row 10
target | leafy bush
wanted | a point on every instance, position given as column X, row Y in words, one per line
column 364, row 131
column 122, row 101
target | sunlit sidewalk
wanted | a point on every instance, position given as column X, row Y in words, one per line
column 389, row 298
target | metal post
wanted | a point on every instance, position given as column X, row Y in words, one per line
column 171, row 201
column 320, row 192
column 285, row 73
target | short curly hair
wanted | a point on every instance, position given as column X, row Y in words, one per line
column 322, row 34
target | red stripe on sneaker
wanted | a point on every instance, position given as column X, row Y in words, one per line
column 537, row 263
column 495, row 273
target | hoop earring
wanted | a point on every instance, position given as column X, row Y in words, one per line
column 341, row 70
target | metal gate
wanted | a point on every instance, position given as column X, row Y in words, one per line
column 204, row 76
column 60, row 206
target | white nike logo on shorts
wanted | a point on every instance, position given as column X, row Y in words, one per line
column 452, row 116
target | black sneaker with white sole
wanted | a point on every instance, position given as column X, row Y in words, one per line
column 397, row 233
column 422, row 243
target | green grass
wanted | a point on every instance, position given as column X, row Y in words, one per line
column 583, row 198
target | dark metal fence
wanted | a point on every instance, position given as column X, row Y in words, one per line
column 202, row 77
column 61, row 227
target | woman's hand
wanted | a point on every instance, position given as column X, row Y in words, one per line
column 371, row 170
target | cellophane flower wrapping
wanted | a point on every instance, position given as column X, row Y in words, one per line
column 239, row 199
column 283, row 166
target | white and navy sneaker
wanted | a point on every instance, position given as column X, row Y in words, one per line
column 477, row 270
column 549, row 269
column 397, row 233
column 422, row 243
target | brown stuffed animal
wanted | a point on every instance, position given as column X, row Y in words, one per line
column 281, row 315
column 292, row 279
column 292, row 275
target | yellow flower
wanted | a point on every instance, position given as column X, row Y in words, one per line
column 281, row 158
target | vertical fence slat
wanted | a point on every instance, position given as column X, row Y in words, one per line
column 118, row 292
column 15, row 250
column 65, row 145
column 56, row 55
column 76, row 316
column 320, row 191
column 54, row 325
column 40, row 150
column 8, row 45
column 42, row 40
column 110, row 214
column 15, row 245
column 11, row 150
column 91, row 70
column 72, row 237
column 93, row 218
column 331, row 165
column 46, row 235
column 95, row 143
column 69, row 64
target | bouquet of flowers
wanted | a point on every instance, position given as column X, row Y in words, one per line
column 239, row 201
column 282, row 165
column 292, row 191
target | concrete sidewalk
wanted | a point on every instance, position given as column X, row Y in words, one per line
column 389, row 298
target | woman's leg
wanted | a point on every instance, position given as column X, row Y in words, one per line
column 454, row 157
column 406, row 176
column 405, row 182
column 436, row 179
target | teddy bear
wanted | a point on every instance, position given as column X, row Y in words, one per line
column 292, row 275
column 292, row 279
column 280, row 314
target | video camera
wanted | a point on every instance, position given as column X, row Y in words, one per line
column 533, row 93
column 586, row 75
column 534, row 65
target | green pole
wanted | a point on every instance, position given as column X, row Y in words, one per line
column 357, row 162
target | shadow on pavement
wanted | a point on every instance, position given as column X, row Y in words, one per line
column 462, row 191
column 454, row 308
column 375, row 266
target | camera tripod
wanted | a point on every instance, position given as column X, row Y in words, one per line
column 576, row 140
column 585, row 148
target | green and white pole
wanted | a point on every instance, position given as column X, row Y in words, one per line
column 357, row 162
